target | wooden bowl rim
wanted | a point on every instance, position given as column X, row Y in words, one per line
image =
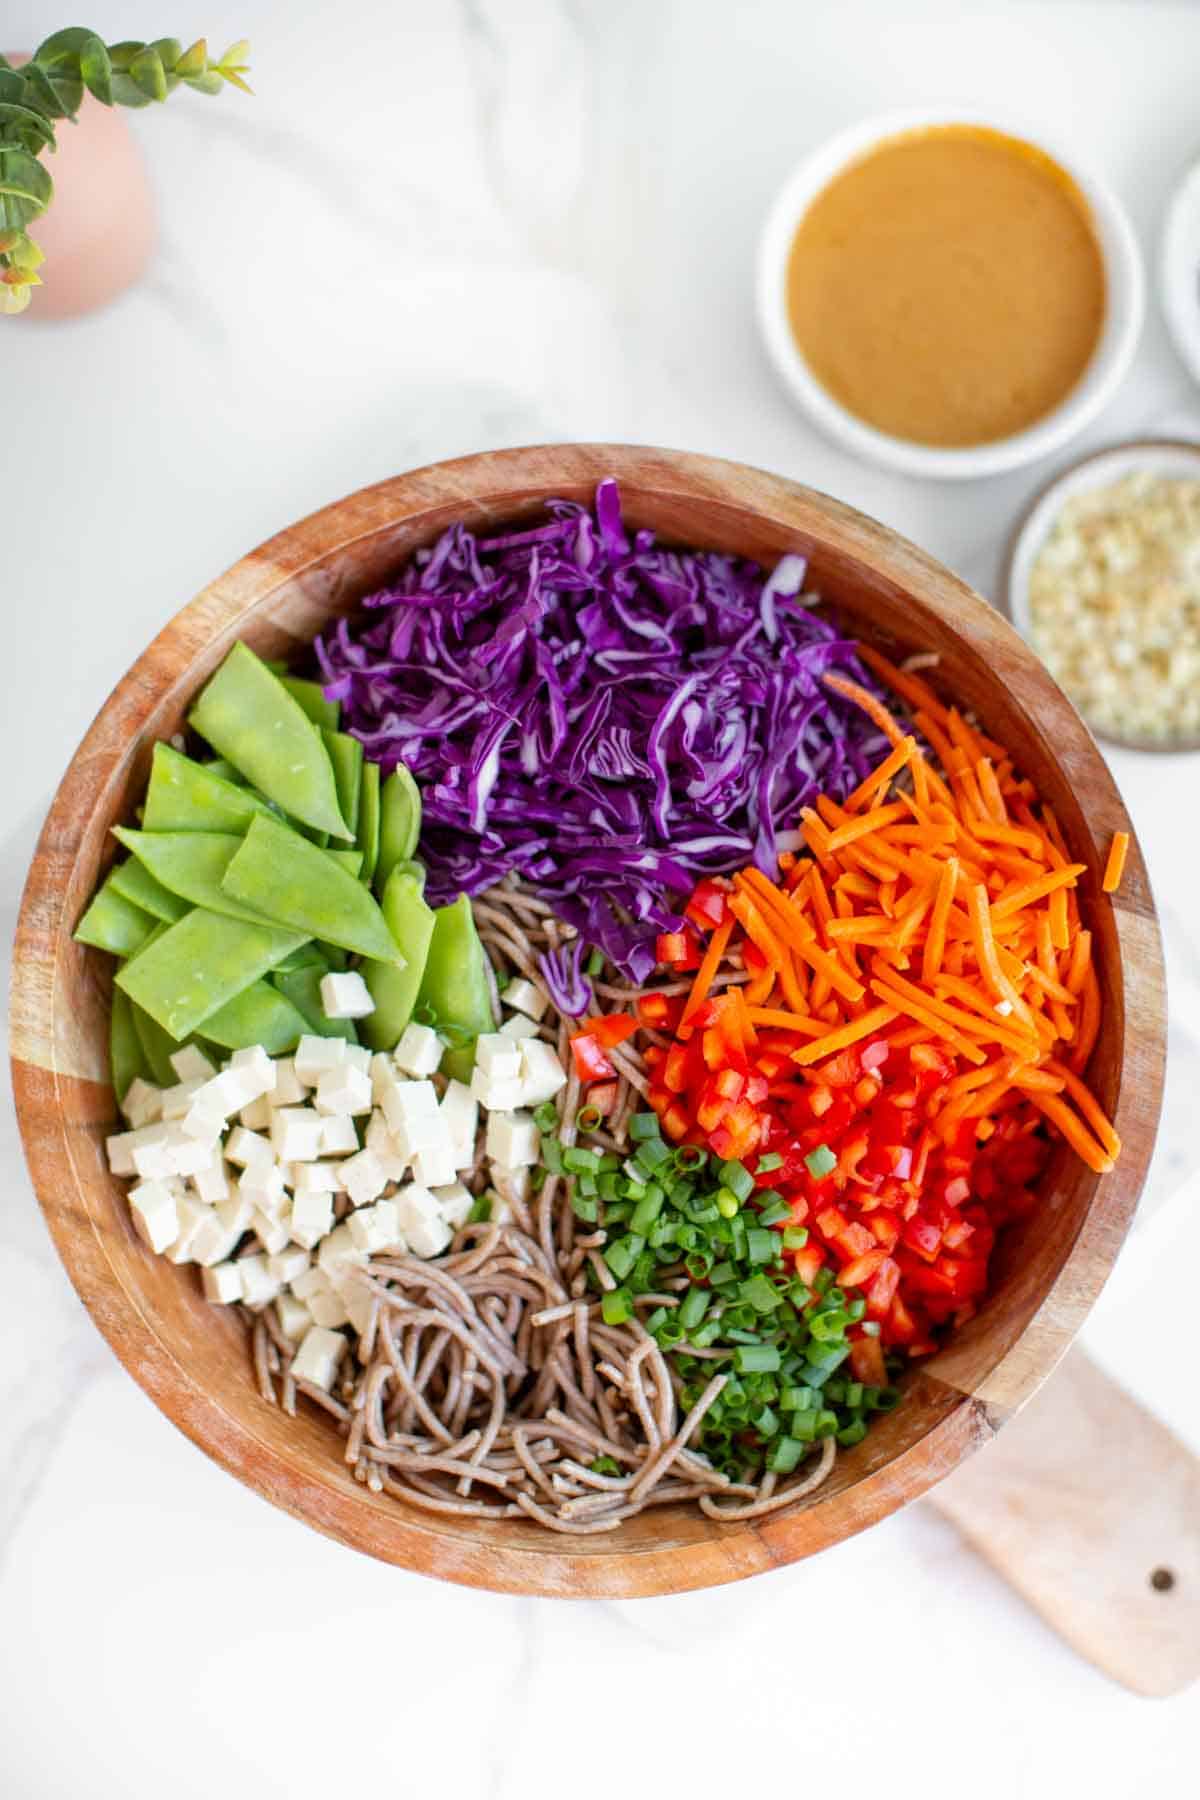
column 1186, row 746
column 576, row 1567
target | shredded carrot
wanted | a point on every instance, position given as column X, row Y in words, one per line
column 1114, row 868
column 1076, row 1134
column 935, row 941
column 989, row 787
column 865, row 825
column 778, row 1020
column 874, row 1019
column 1081, row 956
column 874, row 709
column 882, row 777
column 1038, row 890
column 1089, row 1023
column 709, row 966
column 910, row 687
column 1088, row 1105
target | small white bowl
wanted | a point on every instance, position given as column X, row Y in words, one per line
column 1179, row 269
column 1124, row 312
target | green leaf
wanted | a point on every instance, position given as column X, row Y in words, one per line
column 26, row 188
column 58, row 87
column 126, row 91
column 147, row 71
column 209, row 82
column 121, row 55
column 194, row 60
column 32, row 130
column 64, row 46
column 170, row 50
column 97, row 73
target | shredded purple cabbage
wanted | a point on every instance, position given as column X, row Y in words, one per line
column 562, row 971
column 609, row 718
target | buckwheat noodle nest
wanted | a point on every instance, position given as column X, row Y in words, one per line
column 486, row 1381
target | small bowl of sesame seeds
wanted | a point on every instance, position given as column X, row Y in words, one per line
column 1103, row 580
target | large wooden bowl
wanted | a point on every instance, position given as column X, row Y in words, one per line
column 192, row 1359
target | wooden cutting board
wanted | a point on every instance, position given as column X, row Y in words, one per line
column 1090, row 1508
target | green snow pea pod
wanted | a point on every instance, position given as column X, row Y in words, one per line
column 394, row 990
column 189, row 796
column 350, row 860
column 200, row 963
column 278, row 872
column 416, row 869
column 157, row 1045
column 191, row 864
column 248, row 716
column 325, row 714
column 346, row 755
column 114, row 923
column 399, row 823
column 135, row 882
column 218, row 766
column 126, row 1058
column 302, row 988
column 368, row 820
column 260, row 1014
column 455, row 987
column 303, row 958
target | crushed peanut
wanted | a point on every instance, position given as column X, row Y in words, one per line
column 1114, row 598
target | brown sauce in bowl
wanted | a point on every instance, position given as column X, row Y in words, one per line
column 948, row 287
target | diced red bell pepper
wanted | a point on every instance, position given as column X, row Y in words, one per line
column 707, row 906
column 855, row 1240
column 611, row 1029
column 677, row 950
column 855, row 1273
column 882, row 1290
column 956, row 1191
column 809, row 1261
column 866, row 1362
column 675, row 1069
column 676, row 1121
column 922, row 1236
column 591, row 1062
column 874, row 1055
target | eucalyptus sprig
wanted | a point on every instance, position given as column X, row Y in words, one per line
column 50, row 87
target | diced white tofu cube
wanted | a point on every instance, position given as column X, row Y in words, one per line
column 292, row 1316
column 248, row 1150
column 288, row 1265
column 119, row 1149
column 415, row 1206
column 187, row 1155
column 379, row 1140
column 339, row 1135
column 296, row 1133
column 309, row 1282
column 513, row 1139
column 191, row 1064
column 419, row 1051
column 435, row 1167
column 496, row 1095
column 155, row 1214
column 227, row 1092
column 312, row 1219
column 319, row 1356
column 518, row 1027
column 143, row 1102
column 150, row 1152
column 211, row 1184
column 411, row 1110
column 220, row 1233
column 364, row 1176
column 358, row 1057
column 274, row 1234
column 289, row 1090
column 328, row 1308
column 339, row 1255
column 176, row 1100
column 497, row 1056
column 317, row 1178
column 542, row 1075
column 202, row 1122
column 510, row 1184
column 192, row 1214
column 257, row 1116
column 358, row 1300
column 264, row 1187
column 522, row 996
column 315, row 1055
column 345, row 996
column 459, row 1111
column 383, row 1074
column 254, row 1065
column 454, row 1204
column 259, row 1286
column 376, row 1228
column 222, row 1283
column 429, row 1239
column 344, row 1091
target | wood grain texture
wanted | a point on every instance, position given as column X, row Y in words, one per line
column 1091, row 1509
column 194, row 1365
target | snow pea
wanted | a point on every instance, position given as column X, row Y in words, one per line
column 346, row 755
column 203, row 961
column 368, row 820
column 279, row 873
column 114, row 923
column 399, row 823
column 350, row 860
column 218, row 766
column 455, row 985
column 158, row 1045
column 417, row 870
column 394, row 990
column 189, row 796
column 191, row 864
column 260, row 1014
column 248, row 716
column 302, row 987
column 325, row 714
column 134, row 882
column 126, row 1058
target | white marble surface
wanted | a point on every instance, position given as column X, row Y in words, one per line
column 441, row 227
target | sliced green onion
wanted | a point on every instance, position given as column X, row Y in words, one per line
column 594, row 965
column 647, row 1210
column 775, row 1213
column 585, row 1207
column 616, row 1307
column 828, row 1327
column 736, row 1175
column 644, row 1125
column 546, row 1116
column 853, row 1433
column 762, row 1246
column 749, row 1359
column 691, row 1157
column 784, row 1455
column 552, row 1155
column 820, row 1161
column 795, row 1237
column 588, row 1118
column 580, row 1161
column 693, row 1307
column 652, row 1152
column 698, row 1263
column 722, row 1274
column 656, row 1320
column 605, row 1465
column 727, row 1203
column 708, row 1333
column 855, row 1309
column 772, row 1160
column 799, row 1399
column 622, row 1255
column 803, row 1424
column 766, row 1423
column 481, row 1212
